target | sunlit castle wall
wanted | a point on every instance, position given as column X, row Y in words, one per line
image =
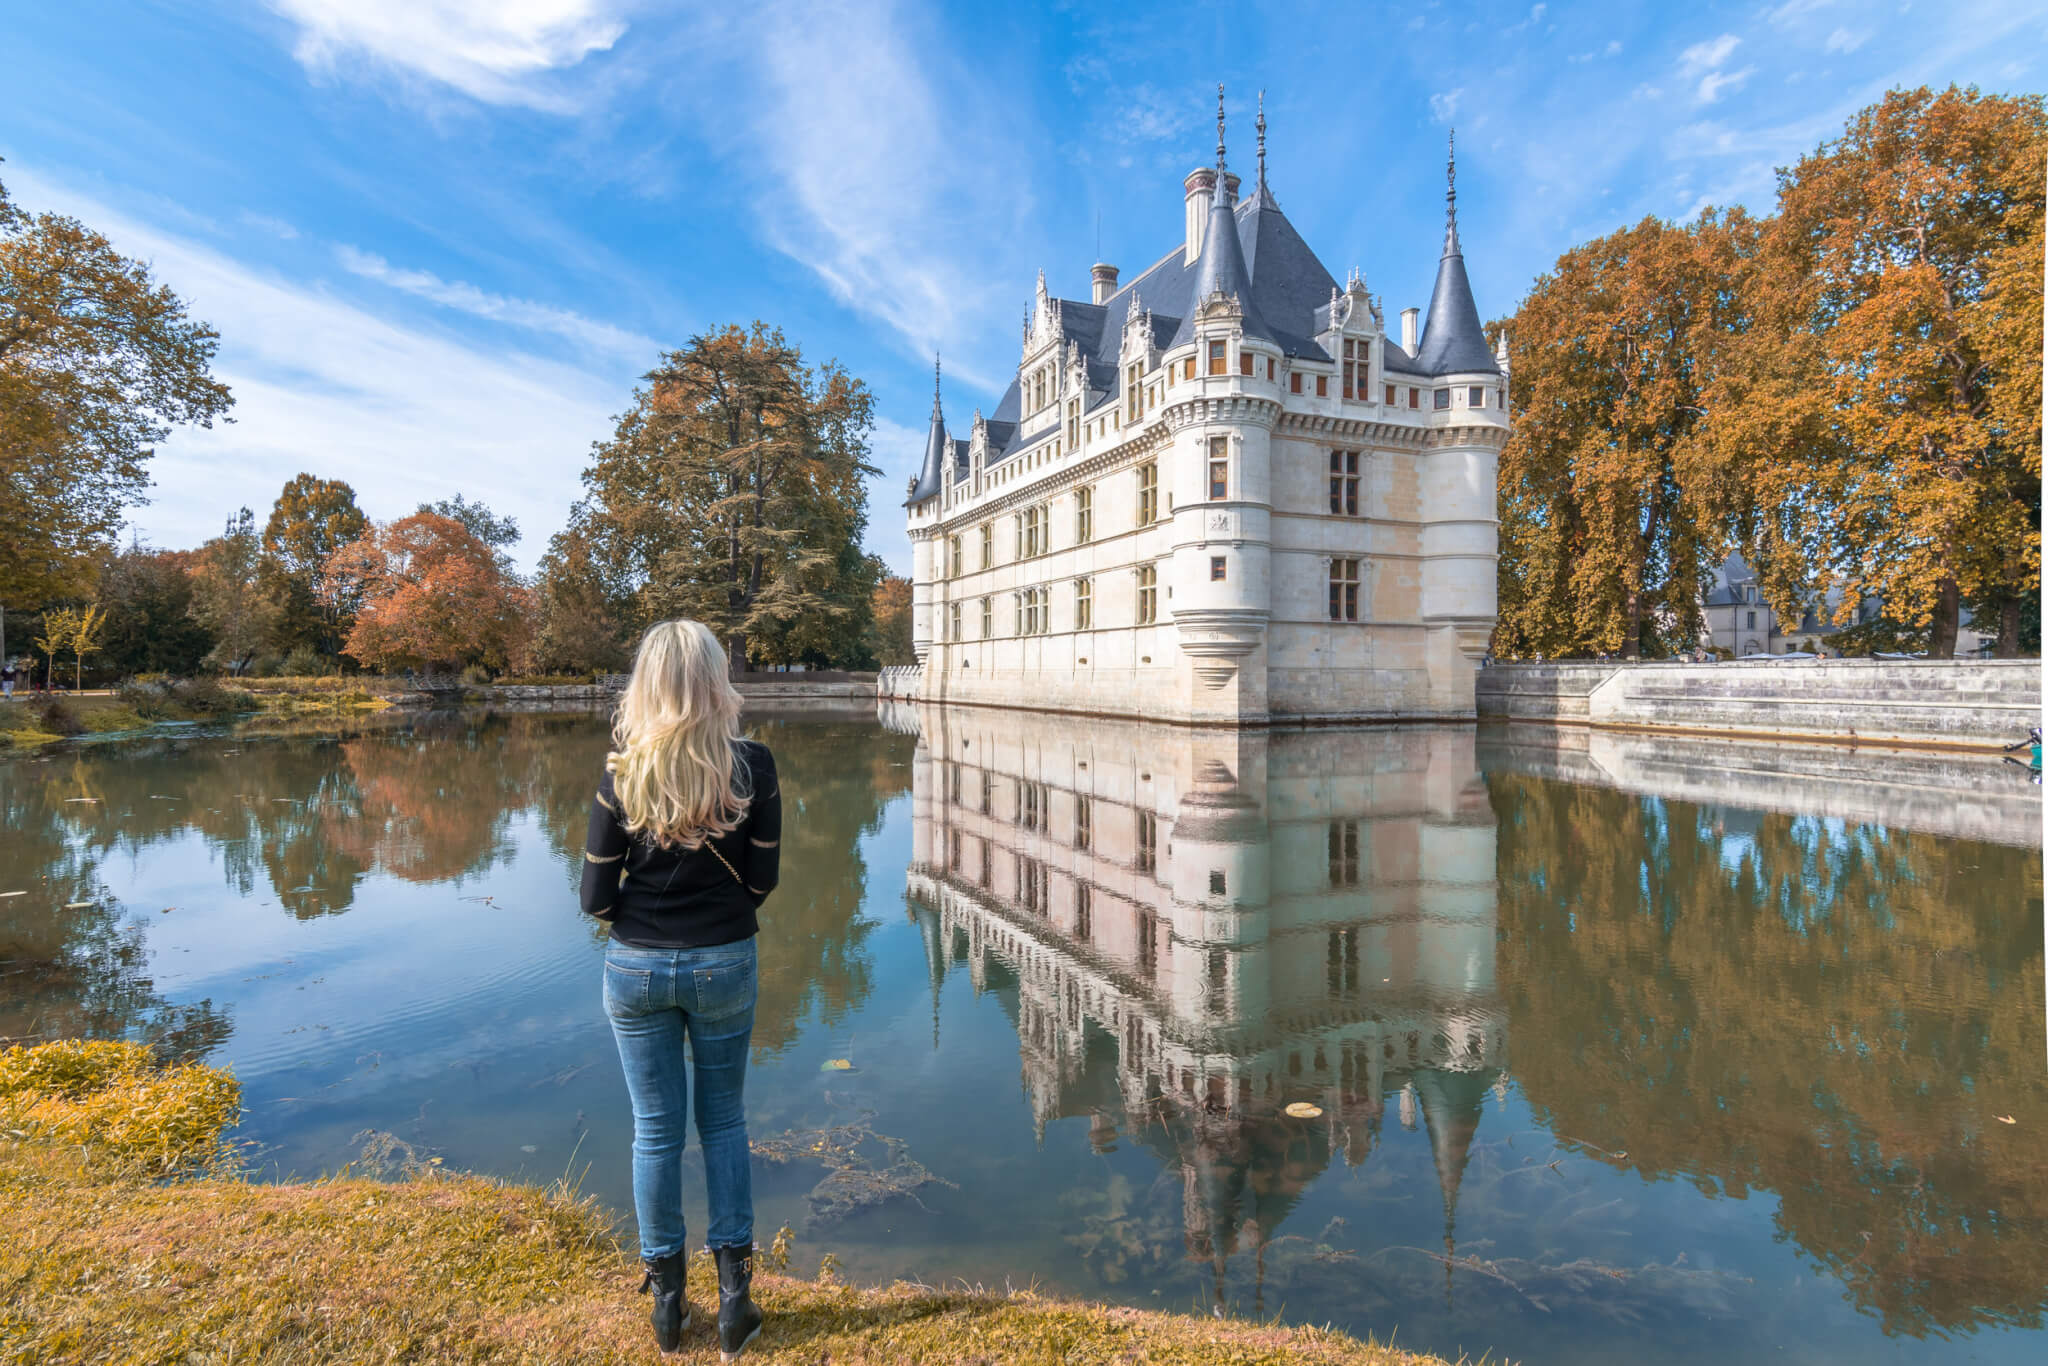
column 1221, row 493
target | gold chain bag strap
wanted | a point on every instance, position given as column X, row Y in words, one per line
column 722, row 859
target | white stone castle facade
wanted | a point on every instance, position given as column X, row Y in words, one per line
column 1221, row 493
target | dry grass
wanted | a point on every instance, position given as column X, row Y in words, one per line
column 100, row 1265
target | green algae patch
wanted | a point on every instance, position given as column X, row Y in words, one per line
column 107, row 1261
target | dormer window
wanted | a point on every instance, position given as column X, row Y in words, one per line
column 1357, row 369
column 1134, row 391
column 1073, row 424
column 1216, row 359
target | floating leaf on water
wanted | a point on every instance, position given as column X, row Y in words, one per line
column 2006, row 1119
column 8, row 894
column 78, row 905
column 94, row 800
column 837, row 1065
column 1301, row 1109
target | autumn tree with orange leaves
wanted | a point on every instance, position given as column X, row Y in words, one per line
column 1848, row 391
column 1604, row 547
column 430, row 595
column 1877, row 426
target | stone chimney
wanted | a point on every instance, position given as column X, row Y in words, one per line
column 1105, row 281
column 1201, row 192
column 1410, row 324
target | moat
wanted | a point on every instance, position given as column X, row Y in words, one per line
column 1558, row 1046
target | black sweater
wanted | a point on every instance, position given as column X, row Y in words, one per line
column 668, row 898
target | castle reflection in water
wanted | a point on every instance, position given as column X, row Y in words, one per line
column 1209, row 926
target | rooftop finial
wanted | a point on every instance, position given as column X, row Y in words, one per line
column 1451, row 197
column 1262, row 142
column 1219, row 135
column 935, row 382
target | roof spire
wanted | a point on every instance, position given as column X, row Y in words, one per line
column 1219, row 137
column 1451, row 199
column 1262, row 142
column 935, row 382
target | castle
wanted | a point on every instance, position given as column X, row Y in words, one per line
column 1221, row 494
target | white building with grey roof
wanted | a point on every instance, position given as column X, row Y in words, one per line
column 1221, row 492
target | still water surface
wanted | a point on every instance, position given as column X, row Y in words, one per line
column 1610, row 1065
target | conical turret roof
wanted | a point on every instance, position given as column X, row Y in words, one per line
column 931, row 474
column 1453, row 340
column 1221, row 267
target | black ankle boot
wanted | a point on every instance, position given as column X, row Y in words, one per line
column 739, row 1322
column 671, row 1316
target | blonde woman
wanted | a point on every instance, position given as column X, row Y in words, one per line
column 682, row 852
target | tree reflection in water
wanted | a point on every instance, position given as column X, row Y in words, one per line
column 1836, row 1014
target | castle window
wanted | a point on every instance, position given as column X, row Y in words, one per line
column 1294, row 382
column 1476, row 398
column 1219, row 568
column 1352, row 390
column 1134, row 391
column 1343, row 590
column 1017, row 614
column 1391, row 392
column 1188, row 368
column 1414, row 398
column 988, row 618
column 1148, row 842
column 1084, row 604
column 1084, row 824
column 1148, row 594
column 1244, row 362
column 1084, row 515
column 1084, row 914
column 954, row 556
column 988, row 544
column 953, row 622
column 1443, row 399
column 1148, row 493
column 1219, row 467
column 1217, row 364
column 1073, row 424
column 1344, row 483
column 1272, row 368
column 1322, row 386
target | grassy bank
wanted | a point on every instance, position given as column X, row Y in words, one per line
column 132, row 1239
column 28, row 722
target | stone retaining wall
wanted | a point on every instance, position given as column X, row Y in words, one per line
column 1957, row 703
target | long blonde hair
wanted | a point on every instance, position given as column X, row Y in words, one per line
column 676, row 769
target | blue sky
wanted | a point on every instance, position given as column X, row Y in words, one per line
column 442, row 238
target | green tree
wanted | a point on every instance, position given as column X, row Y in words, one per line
column 228, row 597
column 1878, row 426
column 577, row 626
column 150, row 626
column 732, row 492
column 97, row 364
column 311, row 519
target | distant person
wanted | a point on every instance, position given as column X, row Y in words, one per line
column 683, row 849
column 7, row 679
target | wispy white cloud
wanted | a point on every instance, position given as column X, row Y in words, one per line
column 1707, row 56
column 496, row 51
column 1789, row 13
column 900, row 191
column 1714, row 82
column 587, row 333
column 276, row 227
column 323, row 384
column 1535, row 16
column 1843, row 40
column 1612, row 48
column 1443, row 106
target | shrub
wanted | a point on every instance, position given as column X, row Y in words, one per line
column 58, row 718
column 475, row 676
column 305, row 662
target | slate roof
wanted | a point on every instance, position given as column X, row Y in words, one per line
column 931, row 473
column 1286, row 301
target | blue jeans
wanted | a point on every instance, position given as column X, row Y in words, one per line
column 659, row 999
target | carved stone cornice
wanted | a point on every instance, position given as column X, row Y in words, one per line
column 1056, row 481
column 1369, row 430
column 1244, row 409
